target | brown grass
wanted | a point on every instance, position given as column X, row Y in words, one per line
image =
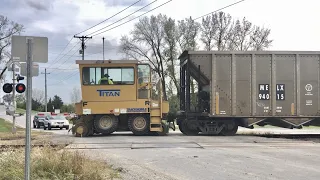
column 53, row 163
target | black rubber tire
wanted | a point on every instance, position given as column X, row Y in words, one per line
column 81, row 126
column 186, row 130
column 230, row 132
column 113, row 122
column 139, row 131
column 34, row 126
column 49, row 127
column 44, row 127
column 38, row 125
column 67, row 128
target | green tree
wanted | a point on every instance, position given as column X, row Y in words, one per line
column 57, row 102
column 67, row 108
column 50, row 105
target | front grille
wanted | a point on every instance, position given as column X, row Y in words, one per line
column 59, row 122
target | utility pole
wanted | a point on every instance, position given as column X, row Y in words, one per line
column 82, row 38
column 14, row 97
column 103, row 47
column 45, row 89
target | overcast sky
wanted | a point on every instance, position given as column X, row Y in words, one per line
column 294, row 25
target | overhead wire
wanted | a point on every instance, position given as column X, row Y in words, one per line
column 71, row 56
column 219, row 9
column 133, row 18
column 66, row 55
column 127, row 22
column 122, row 18
column 91, row 28
column 158, row 7
column 110, row 17
column 63, row 50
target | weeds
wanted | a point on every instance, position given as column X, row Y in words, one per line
column 53, row 163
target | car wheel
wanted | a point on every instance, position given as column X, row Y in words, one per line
column 67, row 128
column 38, row 125
column 44, row 127
column 34, row 126
column 49, row 126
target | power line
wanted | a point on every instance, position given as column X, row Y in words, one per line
column 70, row 57
column 133, row 18
column 67, row 77
column 65, row 55
column 120, row 25
column 110, row 17
column 152, row 10
column 58, row 68
column 68, row 52
column 123, row 17
column 63, row 49
column 220, row 9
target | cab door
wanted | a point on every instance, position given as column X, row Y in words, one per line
column 144, row 81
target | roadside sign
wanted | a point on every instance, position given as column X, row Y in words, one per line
column 34, row 70
column 19, row 49
column 10, row 69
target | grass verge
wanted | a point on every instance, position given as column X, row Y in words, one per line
column 53, row 163
column 6, row 126
column 23, row 111
column 7, row 137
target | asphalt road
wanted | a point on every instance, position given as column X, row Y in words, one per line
column 21, row 122
column 202, row 157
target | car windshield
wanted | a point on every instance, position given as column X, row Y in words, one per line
column 57, row 118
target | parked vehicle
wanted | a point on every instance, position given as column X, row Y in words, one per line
column 56, row 122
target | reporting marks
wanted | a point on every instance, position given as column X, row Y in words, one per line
column 264, row 92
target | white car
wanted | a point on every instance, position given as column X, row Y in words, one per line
column 56, row 122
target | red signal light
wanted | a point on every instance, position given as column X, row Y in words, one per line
column 20, row 88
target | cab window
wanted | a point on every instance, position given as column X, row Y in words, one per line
column 105, row 76
column 143, row 73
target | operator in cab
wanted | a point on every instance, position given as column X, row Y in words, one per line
column 105, row 78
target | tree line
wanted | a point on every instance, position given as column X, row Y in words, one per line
column 160, row 39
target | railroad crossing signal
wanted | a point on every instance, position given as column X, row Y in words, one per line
column 19, row 78
column 20, row 87
column 7, row 87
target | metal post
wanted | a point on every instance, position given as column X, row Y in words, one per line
column 82, row 38
column 45, row 89
column 82, row 47
column 103, row 47
column 28, row 110
column 14, row 97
